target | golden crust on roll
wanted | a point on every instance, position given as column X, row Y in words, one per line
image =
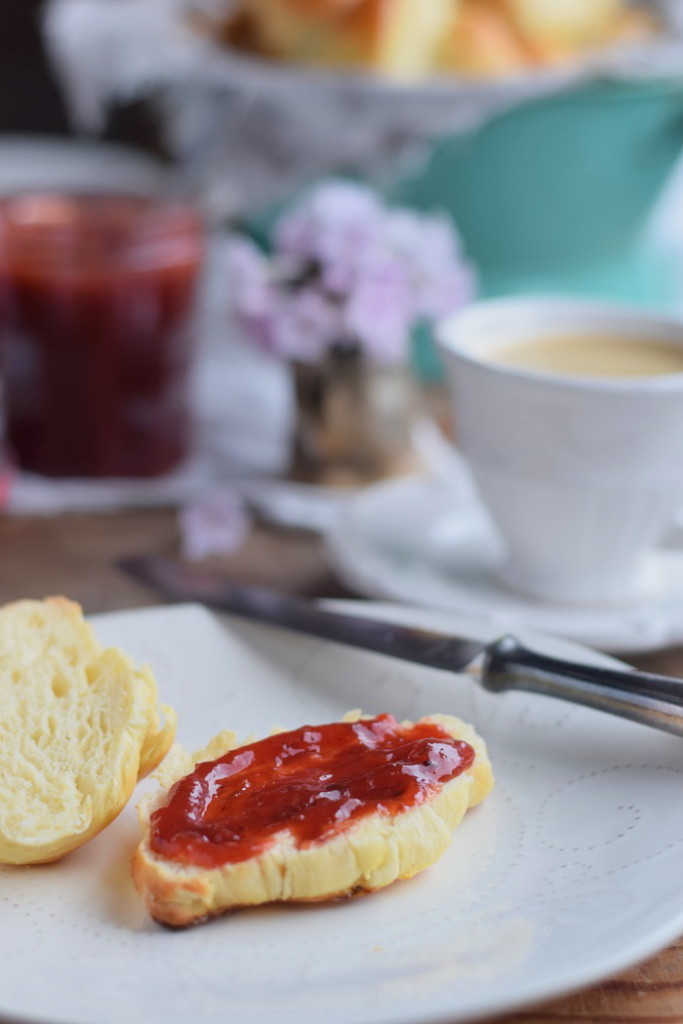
column 365, row 854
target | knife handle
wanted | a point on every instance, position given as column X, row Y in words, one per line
column 639, row 696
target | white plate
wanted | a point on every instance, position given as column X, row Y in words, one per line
column 418, row 540
column 569, row 872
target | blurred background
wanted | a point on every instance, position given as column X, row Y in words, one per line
column 224, row 248
column 31, row 100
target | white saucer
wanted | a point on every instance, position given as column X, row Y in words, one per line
column 420, row 541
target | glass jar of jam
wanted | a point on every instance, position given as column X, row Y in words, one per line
column 97, row 332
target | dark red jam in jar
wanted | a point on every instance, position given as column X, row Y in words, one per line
column 96, row 332
column 313, row 782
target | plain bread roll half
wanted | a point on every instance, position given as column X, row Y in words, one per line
column 79, row 725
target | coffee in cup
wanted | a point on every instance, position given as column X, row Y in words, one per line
column 570, row 416
column 592, row 355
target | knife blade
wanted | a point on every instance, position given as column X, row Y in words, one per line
column 181, row 583
column 506, row 664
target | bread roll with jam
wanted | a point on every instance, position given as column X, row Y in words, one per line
column 312, row 814
column 79, row 726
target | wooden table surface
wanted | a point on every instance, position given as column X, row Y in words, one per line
column 76, row 555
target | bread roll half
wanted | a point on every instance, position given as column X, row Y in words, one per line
column 79, row 725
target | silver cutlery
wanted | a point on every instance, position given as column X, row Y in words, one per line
column 505, row 664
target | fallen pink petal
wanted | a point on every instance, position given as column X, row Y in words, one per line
column 217, row 524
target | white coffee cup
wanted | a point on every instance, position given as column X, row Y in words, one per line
column 582, row 475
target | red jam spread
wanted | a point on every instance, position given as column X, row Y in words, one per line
column 313, row 781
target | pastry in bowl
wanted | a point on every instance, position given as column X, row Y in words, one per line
column 413, row 39
column 399, row 38
column 556, row 30
column 315, row 813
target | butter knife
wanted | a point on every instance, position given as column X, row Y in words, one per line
column 505, row 664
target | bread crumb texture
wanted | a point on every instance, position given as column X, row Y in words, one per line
column 79, row 725
column 370, row 854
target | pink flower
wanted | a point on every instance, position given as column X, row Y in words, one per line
column 380, row 311
column 430, row 249
column 216, row 524
column 332, row 228
column 253, row 295
column 248, row 277
column 305, row 325
column 440, row 295
column 347, row 270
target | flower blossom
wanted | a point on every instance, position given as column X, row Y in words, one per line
column 345, row 269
